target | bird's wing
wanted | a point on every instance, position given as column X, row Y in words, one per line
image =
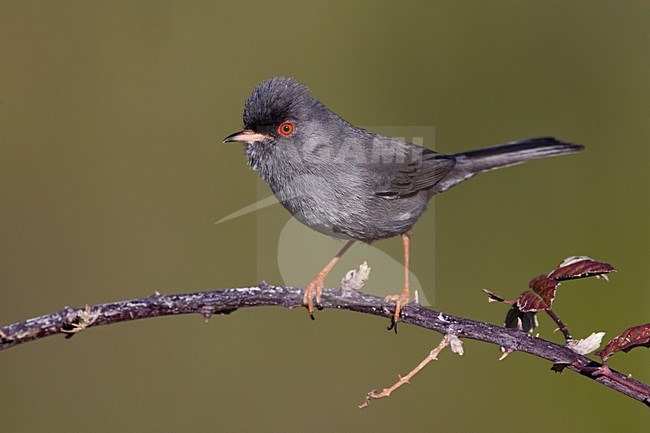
column 420, row 169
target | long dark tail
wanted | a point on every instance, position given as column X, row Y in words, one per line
column 476, row 161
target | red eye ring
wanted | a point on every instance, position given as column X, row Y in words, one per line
column 286, row 129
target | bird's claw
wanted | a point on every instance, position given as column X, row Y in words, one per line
column 400, row 301
column 314, row 290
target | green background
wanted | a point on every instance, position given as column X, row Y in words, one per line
column 112, row 174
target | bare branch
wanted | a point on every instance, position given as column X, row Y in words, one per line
column 386, row 392
column 71, row 320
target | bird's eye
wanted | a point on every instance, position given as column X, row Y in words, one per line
column 286, row 129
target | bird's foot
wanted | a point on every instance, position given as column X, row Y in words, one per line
column 400, row 301
column 312, row 292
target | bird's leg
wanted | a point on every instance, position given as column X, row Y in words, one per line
column 315, row 286
column 403, row 298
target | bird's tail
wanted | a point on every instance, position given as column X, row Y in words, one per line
column 476, row 161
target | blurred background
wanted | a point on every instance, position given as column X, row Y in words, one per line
column 112, row 175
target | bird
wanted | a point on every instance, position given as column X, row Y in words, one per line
column 349, row 183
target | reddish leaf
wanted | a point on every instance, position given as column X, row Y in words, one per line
column 542, row 289
column 540, row 296
column 627, row 340
column 580, row 267
column 541, row 292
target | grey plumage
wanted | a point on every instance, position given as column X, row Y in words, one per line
column 347, row 182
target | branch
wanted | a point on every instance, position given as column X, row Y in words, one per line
column 386, row 392
column 70, row 320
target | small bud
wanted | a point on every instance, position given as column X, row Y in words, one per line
column 455, row 344
column 356, row 278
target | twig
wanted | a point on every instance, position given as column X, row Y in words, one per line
column 432, row 356
column 228, row 300
column 561, row 326
column 604, row 370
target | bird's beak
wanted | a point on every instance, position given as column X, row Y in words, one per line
column 246, row 136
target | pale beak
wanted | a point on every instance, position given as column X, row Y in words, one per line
column 246, row 136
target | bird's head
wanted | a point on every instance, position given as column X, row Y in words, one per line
column 287, row 131
column 278, row 111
